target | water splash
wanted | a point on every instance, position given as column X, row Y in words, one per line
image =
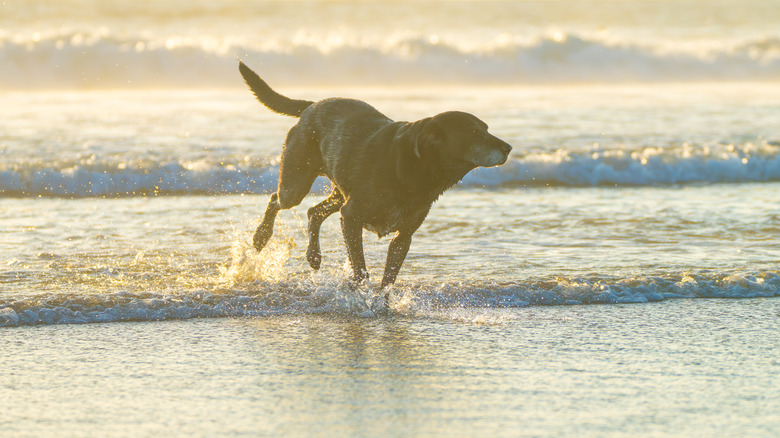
column 247, row 265
column 265, row 284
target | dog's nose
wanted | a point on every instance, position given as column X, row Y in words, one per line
column 505, row 148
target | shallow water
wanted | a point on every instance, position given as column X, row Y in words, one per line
column 676, row 368
column 92, row 232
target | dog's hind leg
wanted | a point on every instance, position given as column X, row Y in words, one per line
column 299, row 167
column 298, row 170
column 317, row 215
column 266, row 228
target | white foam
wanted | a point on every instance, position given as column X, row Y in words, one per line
column 718, row 163
column 102, row 60
column 469, row 303
column 109, row 180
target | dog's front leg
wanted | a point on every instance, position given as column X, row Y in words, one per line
column 396, row 253
column 352, row 229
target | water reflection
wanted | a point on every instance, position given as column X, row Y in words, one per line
column 357, row 376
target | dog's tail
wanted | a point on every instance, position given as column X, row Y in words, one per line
column 270, row 98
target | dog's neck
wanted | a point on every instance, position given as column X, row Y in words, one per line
column 424, row 177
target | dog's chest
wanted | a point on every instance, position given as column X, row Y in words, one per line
column 387, row 223
column 397, row 215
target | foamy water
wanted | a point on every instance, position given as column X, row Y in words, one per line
column 87, row 44
column 85, row 175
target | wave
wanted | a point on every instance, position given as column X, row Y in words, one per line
column 686, row 164
column 650, row 166
column 101, row 60
column 90, row 177
column 337, row 296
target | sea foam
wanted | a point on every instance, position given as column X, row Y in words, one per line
column 335, row 295
column 102, row 60
column 650, row 166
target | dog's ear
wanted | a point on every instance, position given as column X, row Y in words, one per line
column 417, row 148
column 431, row 136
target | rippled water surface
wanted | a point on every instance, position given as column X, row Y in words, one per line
column 676, row 368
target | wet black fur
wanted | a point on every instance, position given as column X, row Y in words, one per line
column 385, row 174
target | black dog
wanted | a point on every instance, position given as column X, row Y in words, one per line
column 385, row 174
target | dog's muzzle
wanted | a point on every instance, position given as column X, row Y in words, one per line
column 505, row 150
column 492, row 154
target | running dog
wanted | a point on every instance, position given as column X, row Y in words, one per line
column 385, row 174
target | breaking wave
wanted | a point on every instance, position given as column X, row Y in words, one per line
column 336, row 296
column 90, row 176
column 102, row 60
column 651, row 166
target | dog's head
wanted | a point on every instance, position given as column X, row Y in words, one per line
column 461, row 137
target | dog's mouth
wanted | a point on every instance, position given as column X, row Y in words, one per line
column 504, row 157
column 492, row 157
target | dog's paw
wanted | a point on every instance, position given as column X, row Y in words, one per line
column 358, row 279
column 261, row 238
column 314, row 258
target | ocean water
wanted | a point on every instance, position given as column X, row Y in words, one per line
column 618, row 275
column 673, row 368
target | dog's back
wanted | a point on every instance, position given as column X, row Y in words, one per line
column 335, row 125
column 342, row 129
